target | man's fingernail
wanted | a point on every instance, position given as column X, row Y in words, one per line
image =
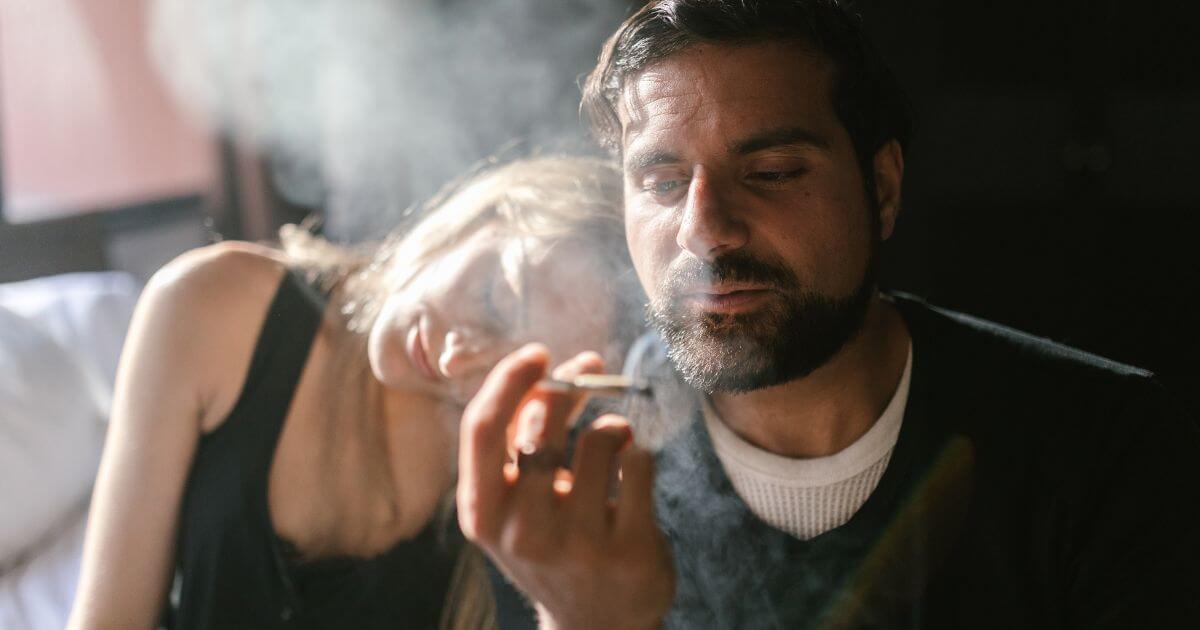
column 574, row 366
column 611, row 420
column 566, row 371
column 531, row 424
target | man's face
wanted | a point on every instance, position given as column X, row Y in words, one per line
column 747, row 216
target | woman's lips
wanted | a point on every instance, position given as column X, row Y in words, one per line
column 416, row 353
column 734, row 301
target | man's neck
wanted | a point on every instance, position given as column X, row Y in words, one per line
column 828, row 410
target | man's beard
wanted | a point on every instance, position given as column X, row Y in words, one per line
column 794, row 334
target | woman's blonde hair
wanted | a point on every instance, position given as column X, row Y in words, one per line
column 550, row 198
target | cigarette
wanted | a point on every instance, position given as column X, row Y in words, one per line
column 615, row 385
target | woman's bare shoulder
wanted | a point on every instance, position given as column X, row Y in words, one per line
column 187, row 349
column 205, row 309
column 225, row 271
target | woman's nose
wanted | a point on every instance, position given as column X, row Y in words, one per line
column 465, row 352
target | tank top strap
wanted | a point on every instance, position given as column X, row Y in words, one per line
column 288, row 333
column 279, row 357
column 252, row 429
column 225, row 522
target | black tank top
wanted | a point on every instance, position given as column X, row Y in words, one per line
column 232, row 570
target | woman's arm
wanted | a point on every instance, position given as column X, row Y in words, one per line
column 188, row 334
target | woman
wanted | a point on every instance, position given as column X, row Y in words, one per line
column 285, row 423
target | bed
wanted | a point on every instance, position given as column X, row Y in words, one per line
column 60, row 338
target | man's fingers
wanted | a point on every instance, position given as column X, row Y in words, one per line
column 537, row 461
column 635, row 496
column 539, row 445
column 539, row 442
column 542, row 422
column 569, row 404
column 583, row 363
column 531, row 528
column 482, row 486
column 594, row 466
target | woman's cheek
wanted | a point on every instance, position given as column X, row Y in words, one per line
column 385, row 350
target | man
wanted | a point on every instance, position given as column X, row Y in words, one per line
column 858, row 460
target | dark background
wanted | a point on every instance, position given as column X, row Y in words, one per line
column 1051, row 185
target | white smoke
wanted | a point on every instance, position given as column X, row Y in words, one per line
column 370, row 105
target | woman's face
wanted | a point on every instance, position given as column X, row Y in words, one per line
column 441, row 332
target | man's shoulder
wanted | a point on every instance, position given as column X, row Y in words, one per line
column 1062, row 415
column 1000, row 381
column 989, row 348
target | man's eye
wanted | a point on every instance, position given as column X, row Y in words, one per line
column 776, row 176
column 663, row 187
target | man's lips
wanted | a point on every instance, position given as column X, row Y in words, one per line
column 727, row 299
column 414, row 346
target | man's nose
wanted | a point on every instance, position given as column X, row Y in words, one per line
column 708, row 227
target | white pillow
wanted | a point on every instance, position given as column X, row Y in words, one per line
column 86, row 313
column 37, row 595
column 50, row 434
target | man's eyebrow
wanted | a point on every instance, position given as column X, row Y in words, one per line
column 778, row 138
column 639, row 161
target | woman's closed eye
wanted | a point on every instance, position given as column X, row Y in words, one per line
column 501, row 303
column 491, row 298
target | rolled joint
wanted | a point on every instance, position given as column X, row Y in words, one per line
column 609, row 385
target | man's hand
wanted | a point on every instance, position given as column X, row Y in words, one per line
column 588, row 555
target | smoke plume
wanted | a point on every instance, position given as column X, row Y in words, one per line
column 367, row 106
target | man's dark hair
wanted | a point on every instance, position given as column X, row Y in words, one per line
column 866, row 96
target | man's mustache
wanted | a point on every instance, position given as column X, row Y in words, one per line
column 732, row 267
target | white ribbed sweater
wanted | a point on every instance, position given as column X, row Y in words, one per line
column 808, row 497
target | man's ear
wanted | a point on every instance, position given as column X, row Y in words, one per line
column 889, row 179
